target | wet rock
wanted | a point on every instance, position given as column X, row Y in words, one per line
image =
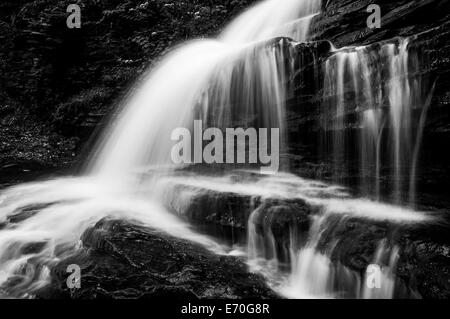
column 223, row 214
column 279, row 224
column 210, row 207
column 344, row 22
column 426, row 24
column 63, row 81
column 423, row 268
column 425, row 260
column 282, row 217
column 123, row 260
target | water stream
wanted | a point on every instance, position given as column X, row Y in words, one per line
column 235, row 80
column 377, row 91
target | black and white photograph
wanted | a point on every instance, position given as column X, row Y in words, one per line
column 217, row 152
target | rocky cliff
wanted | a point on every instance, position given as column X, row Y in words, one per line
column 426, row 26
column 58, row 83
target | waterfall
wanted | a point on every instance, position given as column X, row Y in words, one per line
column 386, row 259
column 270, row 19
column 237, row 80
column 295, row 262
column 371, row 96
column 311, row 271
column 207, row 87
column 236, row 77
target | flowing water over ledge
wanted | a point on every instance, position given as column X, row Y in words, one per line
column 291, row 230
column 42, row 224
column 308, row 238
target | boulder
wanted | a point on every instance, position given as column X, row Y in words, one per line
column 122, row 260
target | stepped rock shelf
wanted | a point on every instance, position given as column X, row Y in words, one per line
column 364, row 120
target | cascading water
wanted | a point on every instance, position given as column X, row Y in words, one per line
column 373, row 90
column 206, row 85
column 271, row 19
column 388, row 257
column 295, row 265
column 237, row 80
column 185, row 84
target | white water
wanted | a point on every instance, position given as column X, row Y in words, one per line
column 312, row 273
column 380, row 86
column 387, row 258
column 65, row 208
column 331, row 199
column 196, row 81
column 272, row 18
column 183, row 86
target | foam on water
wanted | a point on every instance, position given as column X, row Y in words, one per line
column 239, row 76
column 332, row 199
column 55, row 213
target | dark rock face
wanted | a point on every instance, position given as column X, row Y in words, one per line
column 122, row 260
column 344, row 21
column 70, row 78
column 426, row 24
column 423, row 268
column 282, row 217
column 58, row 83
column 70, row 75
column 223, row 209
column 227, row 216
column 424, row 259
